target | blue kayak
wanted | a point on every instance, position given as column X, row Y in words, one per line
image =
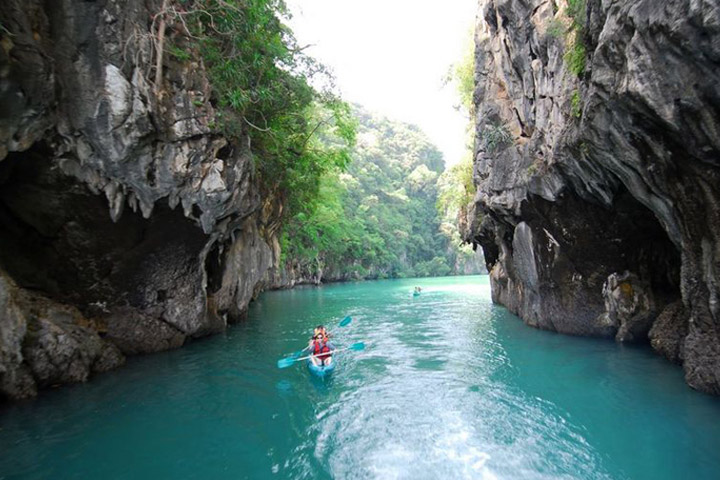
column 320, row 371
column 416, row 294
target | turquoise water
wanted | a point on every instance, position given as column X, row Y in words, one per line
column 448, row 386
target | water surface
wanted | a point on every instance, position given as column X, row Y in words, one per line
column 448, row 386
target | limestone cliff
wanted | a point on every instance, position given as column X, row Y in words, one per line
column 598, row 203
column 128, row 224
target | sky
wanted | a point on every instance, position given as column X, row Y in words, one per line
column 391, row 56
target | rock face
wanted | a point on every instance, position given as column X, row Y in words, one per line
column 127, row 223
column 598, row 204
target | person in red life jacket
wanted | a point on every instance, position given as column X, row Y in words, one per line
column 320, row 348
column 319, row 330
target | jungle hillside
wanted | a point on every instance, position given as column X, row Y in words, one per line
column 390, row 213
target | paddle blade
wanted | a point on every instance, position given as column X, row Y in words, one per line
column 345, row 321
column 357, row 346
column 285, row 362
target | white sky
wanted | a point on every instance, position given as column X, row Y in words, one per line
column 391, row 55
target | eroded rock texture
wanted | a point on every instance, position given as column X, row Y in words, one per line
column 127, row 224
column 598, row 203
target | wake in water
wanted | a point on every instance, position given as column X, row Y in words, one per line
column 428, row 407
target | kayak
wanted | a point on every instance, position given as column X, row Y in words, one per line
column 320, row 371
column 416, row 294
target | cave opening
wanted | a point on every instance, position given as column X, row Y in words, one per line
column 599, row 240
column 57, row 238
column 646, row 248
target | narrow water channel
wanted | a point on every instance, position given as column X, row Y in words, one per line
column 449, row 386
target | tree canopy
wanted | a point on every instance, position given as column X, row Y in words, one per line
column 265, row 87
column 378, row 219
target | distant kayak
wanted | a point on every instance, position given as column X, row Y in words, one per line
column 322, row 370
column 416, row 294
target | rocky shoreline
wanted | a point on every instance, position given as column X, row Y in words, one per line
column 598, row 203
column 128, row 224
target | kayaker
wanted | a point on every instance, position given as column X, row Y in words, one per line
column 319, row 345
column 319, row 330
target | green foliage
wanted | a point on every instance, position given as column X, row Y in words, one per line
column 462, row 74
column 456, row 187
column 575, row 56
column 372, row 218
column 576, row 104
column 261, row 83
column 378, row 218
column 456, row 192
column 179, row 53
column 495, row 137
column 437, row 267
column 576, row 10
column 556, row 28
column 575, row 52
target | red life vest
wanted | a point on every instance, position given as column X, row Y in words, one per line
column 320, row 347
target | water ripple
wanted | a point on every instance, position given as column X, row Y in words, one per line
column 449, row 386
